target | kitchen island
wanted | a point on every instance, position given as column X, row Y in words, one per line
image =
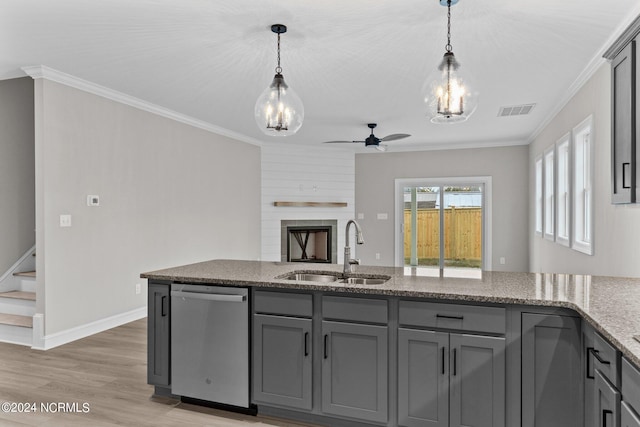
column 609, row 306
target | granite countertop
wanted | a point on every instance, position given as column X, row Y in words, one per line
column 610, row 304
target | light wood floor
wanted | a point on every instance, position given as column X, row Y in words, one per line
column 107, row 371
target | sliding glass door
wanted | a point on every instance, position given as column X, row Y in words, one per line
column 442, row 228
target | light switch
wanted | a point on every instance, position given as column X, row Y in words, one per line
column 65, row 220
column 360, row 215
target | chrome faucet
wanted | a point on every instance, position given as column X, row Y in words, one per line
column 348, row 261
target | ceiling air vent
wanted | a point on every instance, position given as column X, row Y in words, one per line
column 515, row 110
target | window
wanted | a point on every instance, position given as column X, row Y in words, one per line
column 583, row 187
column 563, row 191
column 549, row 194
column 539, row 197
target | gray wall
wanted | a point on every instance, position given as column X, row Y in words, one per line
column 617, row 227
column 375, row 193
column 17, row 188
column 170, row 194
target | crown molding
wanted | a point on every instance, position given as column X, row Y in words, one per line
column 44, row 72
column 624, row 30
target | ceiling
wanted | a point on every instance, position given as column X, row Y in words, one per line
column 351, row 61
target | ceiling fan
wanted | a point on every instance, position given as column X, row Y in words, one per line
column 372, row 140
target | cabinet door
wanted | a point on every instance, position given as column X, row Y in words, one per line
column 628, row 417
column 423, row 378
column 354, row 371
column 607, row 401
column 282, row 361
column 551, row 371
column 158, row 335
column 623, row 138
column 588, row 376
column 477, row 381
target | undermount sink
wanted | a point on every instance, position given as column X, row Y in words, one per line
column 311, row 277
column 363, row 281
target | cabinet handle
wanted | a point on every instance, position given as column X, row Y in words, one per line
column 444, row 316
column 590, row 350
column 306, row 344
column 455, row 362
column 163, row 306
column 326, row 337
column 605, row 412
column 596, row 354
column 625, row 167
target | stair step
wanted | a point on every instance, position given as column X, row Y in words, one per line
column 31, row 296
column 16, row 320
column 25, row 274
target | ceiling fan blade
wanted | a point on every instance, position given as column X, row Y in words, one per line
column 341, row 142
column 395, row 136
column 381, row 147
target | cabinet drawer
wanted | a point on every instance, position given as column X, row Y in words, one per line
column 283, row 303
column 355, row 309
column 630, row 384
column 606, row 359
column 453, row 316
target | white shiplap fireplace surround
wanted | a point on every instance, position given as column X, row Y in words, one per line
column 304, row 174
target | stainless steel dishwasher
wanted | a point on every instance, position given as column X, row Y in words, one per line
column 210, row 343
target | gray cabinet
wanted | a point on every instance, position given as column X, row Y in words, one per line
column 607, row 402
column 423, row 378
column 158, row 335
column 628, row 417
column 588, row 375
column 282, row 361
column 354, row 371
column 450, row 379
column 551, row 371
column 623, row 142
column 477, row 381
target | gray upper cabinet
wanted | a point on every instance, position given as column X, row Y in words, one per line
column 355, row 371
column 623, row 145
column 282, row 361
column 158, row 335
column 551, row 371
column 423, row 378
column 477, row 381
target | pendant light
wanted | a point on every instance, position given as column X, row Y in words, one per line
column 448, row 95
column 279, row 110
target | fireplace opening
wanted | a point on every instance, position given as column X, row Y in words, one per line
column 309, row 244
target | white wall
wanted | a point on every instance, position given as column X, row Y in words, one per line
column 17, row 187
column 170, row 194
column 291, row 173
column 375, row 193
column 617, row 227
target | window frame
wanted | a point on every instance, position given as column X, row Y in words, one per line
column 539, row 197
column 563, row 178
column 583, row 221
column 548, row 167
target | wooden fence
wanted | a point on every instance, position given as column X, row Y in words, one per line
column 462, row 233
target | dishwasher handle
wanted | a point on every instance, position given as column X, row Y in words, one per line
column 209, row 297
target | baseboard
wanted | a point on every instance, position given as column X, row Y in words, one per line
column 47, row 342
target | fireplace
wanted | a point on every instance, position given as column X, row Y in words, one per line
column 309, row 241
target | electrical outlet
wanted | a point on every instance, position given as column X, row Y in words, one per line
column 503, row 260
column 65, row 220
column 138, row 289
column 377, row 255
column 383, row 216
column 360, row 215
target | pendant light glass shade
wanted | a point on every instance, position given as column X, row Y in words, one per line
column 279, row 110
column 449, row 95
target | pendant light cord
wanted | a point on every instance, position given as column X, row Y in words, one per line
column 448, row 47
column 278, row 68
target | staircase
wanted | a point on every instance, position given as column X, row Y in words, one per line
column 18, row 305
